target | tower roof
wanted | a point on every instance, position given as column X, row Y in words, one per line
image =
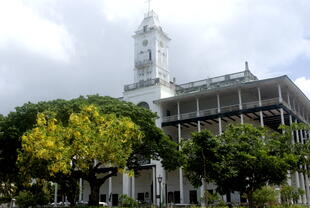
column 150, row 22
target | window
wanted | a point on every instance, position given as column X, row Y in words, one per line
column 141, row 197
column 193, row 197
column 177, row 197
column 150, row 55
column 144, row 105
column 103, row 198
column 145, row 28
column 168, row 113
column 170, row 197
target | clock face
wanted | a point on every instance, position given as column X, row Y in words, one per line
column 145, row 42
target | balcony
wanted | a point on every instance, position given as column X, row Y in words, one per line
column 224, row 109
column 216, row 82
column 143, row 64
column 147, row 83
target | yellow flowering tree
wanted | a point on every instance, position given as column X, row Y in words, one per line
column 90, row 143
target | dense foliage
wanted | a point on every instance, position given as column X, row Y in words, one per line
column 243, row 158
column 153, row 143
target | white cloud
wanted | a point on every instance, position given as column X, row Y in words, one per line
column 209, row 38
column 219, row 35
column 22, row 26
column 304, row 85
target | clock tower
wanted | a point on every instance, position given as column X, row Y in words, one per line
column 151, row 82
column 151, row 74
column 151, row 50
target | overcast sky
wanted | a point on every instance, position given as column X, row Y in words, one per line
column 65, row 48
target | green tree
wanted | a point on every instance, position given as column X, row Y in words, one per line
column 37, row 193
column 91, row 143
column 154, row 143
column 243, row 158
column 266, row 195
column 290, row 194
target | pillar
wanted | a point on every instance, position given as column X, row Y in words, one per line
column 202, row 193
column 219, row 111
column 110, row 192
column 133, row 186
column 180, row 169
column 307, row 187
column 154, row 185
column 81, row 190
column 202, row 187
column 261, row 117
column 297, row 176
column 198, row 110
column 282, row 116
column 55, row 194
column 302, row 186
column 125, row 184
column 301, row 175
column 280, row 93
column 240, row 106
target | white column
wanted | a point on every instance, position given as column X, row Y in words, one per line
column 55, row 194
column 181, row 186
column 81, row 190
column 219, row 111
column 180, row 169
column 280, row 100
column 302, row 184
column 280, row 93
column 261, row 117
column 202, row 187
column 297, row 177
column 154, row 185
column 179, row 125
column 282, row 116
column 133, row 184
column 301, row 176
column 290, row 178
column 240, row 105
column 125, row 184
column 307, row 187
column 198, row 109
column 202, row 193
column 109, row 197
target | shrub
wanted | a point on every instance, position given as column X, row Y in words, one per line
column 37, row 194
column 25, row 199
column 213, row 199
column 290, row 194
column 126, row 201
column 267, row 195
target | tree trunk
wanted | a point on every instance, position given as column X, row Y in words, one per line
column 94, row 193
column 250, row 199
column 228, row 199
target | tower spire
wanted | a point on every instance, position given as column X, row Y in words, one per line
column 247, row 66
column 148, row 6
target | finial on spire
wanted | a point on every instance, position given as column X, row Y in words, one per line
column 148, row 6
column 247, row 66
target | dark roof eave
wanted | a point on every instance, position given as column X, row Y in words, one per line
column 185, row 95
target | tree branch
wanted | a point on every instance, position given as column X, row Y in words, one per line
column 113, row 172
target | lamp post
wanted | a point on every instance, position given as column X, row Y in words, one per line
column 160, row 179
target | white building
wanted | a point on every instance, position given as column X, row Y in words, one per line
column 205, row 104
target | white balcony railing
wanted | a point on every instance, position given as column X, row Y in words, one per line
column 224, row 109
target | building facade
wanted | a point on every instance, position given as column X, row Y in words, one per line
column 205, row 104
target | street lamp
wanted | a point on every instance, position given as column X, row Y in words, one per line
column 160, row 179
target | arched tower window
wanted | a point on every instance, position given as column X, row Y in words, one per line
column 144, row 105
column 150, row 55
